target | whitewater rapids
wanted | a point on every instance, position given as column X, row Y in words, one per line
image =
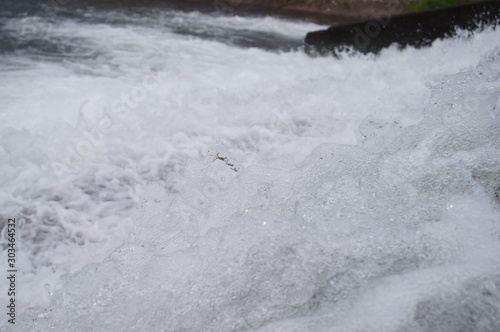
column 184, row 171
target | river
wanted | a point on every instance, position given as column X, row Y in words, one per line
column 174, row 170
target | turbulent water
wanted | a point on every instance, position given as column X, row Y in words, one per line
column 173, row 170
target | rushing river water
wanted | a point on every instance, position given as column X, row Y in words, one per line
column 172, row 170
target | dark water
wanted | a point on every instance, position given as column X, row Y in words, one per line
column 35, row 19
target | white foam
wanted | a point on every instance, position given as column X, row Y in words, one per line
column 340, row 192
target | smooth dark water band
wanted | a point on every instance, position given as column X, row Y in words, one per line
column 414, row 29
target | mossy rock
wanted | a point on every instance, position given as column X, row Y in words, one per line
column 430, row 4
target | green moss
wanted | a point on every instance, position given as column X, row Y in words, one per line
column 429, row 4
